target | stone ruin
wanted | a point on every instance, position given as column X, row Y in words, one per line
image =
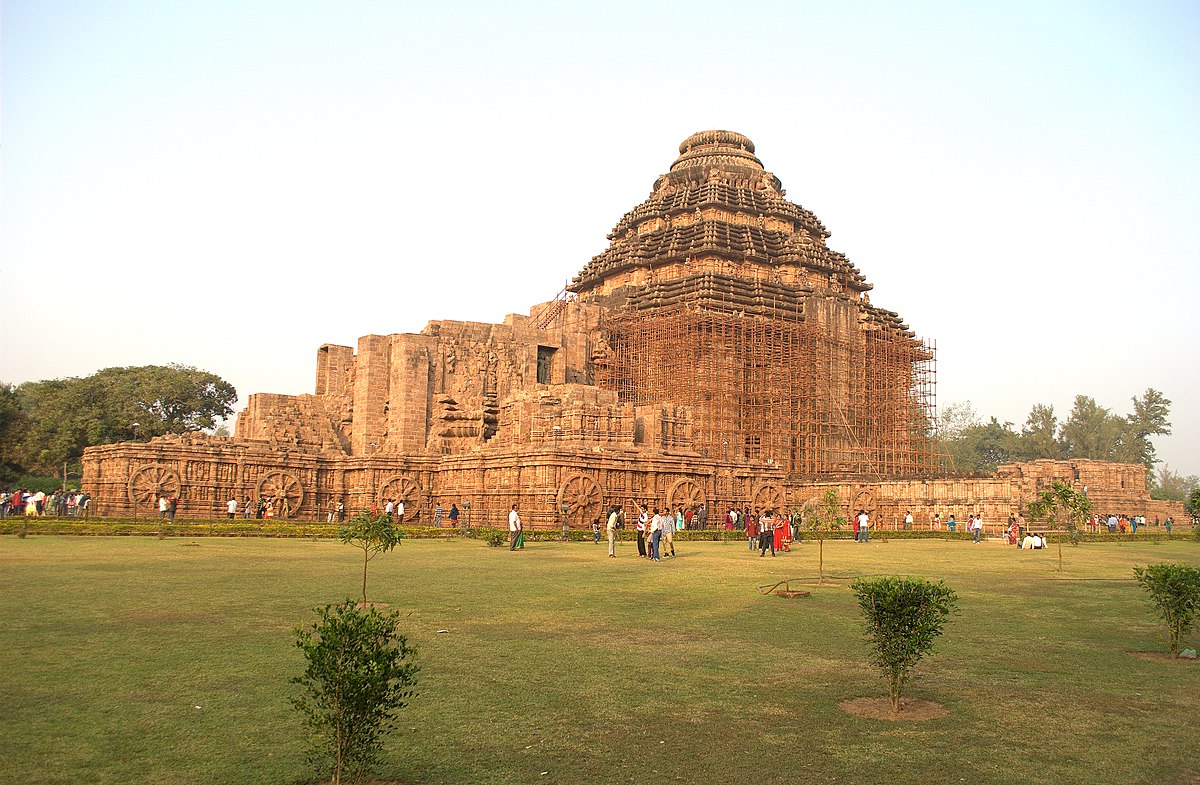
column 717, row 352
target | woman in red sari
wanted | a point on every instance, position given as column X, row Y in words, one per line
column 782, row 535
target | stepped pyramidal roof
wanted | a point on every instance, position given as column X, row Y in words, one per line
column 718, row 201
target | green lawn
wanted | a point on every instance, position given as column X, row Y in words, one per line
column 138, row 660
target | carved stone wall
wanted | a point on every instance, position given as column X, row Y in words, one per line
column 717, row 351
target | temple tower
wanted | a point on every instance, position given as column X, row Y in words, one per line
column 723, row 296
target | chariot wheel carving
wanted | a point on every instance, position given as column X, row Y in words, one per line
column 767, row 497
column 148, row 483
column 402, row 489
column 686, row 494
column 581, row 497
column 863, row 500
column 284, row 489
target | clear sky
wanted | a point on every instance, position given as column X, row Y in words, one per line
column 230, row 184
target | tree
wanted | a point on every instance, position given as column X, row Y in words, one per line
column 904, row 616
column 56, row 419
column 372, row 532
column 1192, row 505
column 984, row 446
column 1172, row 485
column 1149, row 418
column 826, row 518
column 1061, row 502
column 359, row 674
column 1175, row 591
column 1091, row 431
column 1039, row 436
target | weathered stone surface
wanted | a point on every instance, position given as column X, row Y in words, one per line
column 717, row 352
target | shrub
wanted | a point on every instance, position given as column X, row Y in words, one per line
column 494, row 538
column 1175, row 591
column 359, row 675
column 373, row 533
column 904, row 616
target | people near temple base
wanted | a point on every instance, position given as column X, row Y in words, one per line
column 656, row 525
column 643, row 524
column 514, row 527
column 782, row 532
column 231, row 508
column 864, row 526
column 611, row 529
column 453, row 516
column 438, row 512
column 670, row 524
column 752, row 531
column 766, row 534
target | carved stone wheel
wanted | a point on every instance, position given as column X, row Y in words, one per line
column 284, row 489
column 402, row 489
column 863, row 500
column 148, row 483
column 767, row 497
column 582, row 497
column 685, row 494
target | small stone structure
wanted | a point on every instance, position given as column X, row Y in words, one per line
column 718, row 353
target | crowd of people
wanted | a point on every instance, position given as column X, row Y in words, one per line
column 64, row 504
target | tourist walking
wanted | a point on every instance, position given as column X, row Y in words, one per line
column 514, row 527
column 976, row 528
column 669, row 526
column 766, row 535
column 231, row 508
column 453, row 515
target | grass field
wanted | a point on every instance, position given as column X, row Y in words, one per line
column 139, row 660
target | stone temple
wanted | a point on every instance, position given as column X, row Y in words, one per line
column 717, row 352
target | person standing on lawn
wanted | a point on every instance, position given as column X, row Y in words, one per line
column 514, row 528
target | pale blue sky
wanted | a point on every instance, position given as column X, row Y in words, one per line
column 231, row 184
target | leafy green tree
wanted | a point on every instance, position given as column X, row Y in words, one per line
column 56, row 419
column 1192, row 505
column 1060, row 503
column 1091, row 431
column 904, row 616
column 1149, row 418
column 825, row 518
column 360, row 673
column 374, row 533
column 983, row 447
column 1175, row 591
column 1171, row 485
column 1039, row 436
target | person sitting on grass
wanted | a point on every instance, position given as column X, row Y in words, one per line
column 1027, row 542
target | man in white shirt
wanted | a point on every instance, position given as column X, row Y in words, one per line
column 612, row 532
column 655, row 535
column 977, row 527
column 389, row 508
column 231, row 507
column 514, row 527
column 400, row 510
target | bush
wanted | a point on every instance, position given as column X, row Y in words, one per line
column 359, row 675
column 494, row 538
column 1175, row 591
column 373, row 533
column 904, row 616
